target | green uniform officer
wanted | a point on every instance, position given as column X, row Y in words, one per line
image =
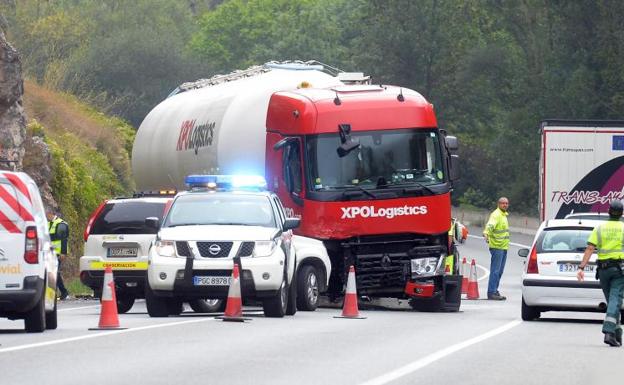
column 608, row 240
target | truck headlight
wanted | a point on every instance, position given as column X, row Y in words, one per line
column 424, row 267
column 264, row 248
column 165, row 248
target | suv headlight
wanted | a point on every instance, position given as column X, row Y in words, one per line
column 264, row 248
column 425, row 267
column 165, row 248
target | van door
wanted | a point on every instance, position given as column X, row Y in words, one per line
column 13, row 216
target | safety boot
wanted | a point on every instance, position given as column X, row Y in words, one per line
column 610, row 339
column 618, row 335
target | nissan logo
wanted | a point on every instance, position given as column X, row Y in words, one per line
column 214, row 249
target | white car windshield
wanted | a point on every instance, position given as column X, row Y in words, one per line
column 220, row 209
column 558, row 240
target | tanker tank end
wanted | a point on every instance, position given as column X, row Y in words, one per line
column 226, row 182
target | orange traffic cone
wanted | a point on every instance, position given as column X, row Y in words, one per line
column 234, row 305
column 108, row 314
column 350, row 307
column 464, row 274
column 473, row 286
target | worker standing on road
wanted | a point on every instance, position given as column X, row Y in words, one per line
column 59, row 232
column 496, row 235
column 608, row 239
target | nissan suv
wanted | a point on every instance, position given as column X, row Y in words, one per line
column 217, row 223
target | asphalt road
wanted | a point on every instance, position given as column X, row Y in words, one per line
column 486, row 342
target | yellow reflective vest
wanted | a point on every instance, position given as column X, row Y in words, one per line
column 497, row 230
column 57, row 244
column 608, row 238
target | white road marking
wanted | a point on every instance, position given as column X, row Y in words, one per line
column 421, row 363
column 97, row 334
column 487, row 272
column 511, row 243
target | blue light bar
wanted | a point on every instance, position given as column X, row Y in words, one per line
column 227, row 182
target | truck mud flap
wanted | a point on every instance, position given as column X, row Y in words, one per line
column 452, row 293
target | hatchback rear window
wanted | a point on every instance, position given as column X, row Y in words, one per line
column 558, row 240
column 127, row 217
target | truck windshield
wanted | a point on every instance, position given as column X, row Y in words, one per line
column 385, row 158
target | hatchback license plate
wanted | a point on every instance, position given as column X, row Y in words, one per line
column 122, row 251
column 211, row 281
column 573, row 267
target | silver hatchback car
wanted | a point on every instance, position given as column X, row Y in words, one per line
column 549, row 277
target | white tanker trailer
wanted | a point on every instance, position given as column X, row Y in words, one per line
column 217, row 126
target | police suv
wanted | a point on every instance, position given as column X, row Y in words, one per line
column 220, row 221
column 28, row 264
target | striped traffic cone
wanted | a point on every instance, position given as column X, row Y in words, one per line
column 234, row 305
column 350, row 307
column 108, row 314
column 464, row 273
column 473, row 286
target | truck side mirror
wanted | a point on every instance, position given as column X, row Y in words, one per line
column 454, row 174
column 152, row 223
column 291, row 223
column 452, row 143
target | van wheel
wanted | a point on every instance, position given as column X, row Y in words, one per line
column 208, row 305
column 124, row 303
column 291, row 306
column 307, row 289
column 529, row 313
column 156, row 307
column 50, row 318
column 275, row 307
column 34, row 321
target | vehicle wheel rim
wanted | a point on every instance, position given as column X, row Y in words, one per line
column 312, row 289
column 212, row 302
column 283, row 295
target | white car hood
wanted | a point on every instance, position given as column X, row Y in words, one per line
column 217, row 233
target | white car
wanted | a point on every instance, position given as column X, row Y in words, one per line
column 204, row 233
column 28, row 264
column 549, row 278
column 116, row 236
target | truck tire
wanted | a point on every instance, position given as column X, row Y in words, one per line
column 125, row 302
column 291, row 307
column 208, row 305
column 434, row 305
column 307, row 289
column 529, row 313
column 275, row 307
column 156, row 307
column 51, row 317
column 34, row 320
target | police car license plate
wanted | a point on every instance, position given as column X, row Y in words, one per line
column 122, row 251
column 573, row 267
column 211, row 281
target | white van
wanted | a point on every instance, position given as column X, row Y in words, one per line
column 28, row 265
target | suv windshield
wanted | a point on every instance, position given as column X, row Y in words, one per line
column 127, row 217
column 558, row 240
column 221, row 209
column 384, row 158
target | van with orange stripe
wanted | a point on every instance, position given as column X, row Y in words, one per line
column 28, row 264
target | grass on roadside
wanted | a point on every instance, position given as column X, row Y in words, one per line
column 77, row 289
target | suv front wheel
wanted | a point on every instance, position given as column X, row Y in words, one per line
column 275, row 307
column 156, row 307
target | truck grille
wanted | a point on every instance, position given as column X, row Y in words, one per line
column 214, row 249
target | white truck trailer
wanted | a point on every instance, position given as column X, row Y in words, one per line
column 581, row 166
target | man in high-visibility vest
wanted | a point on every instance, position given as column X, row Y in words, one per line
column 496, row 235
column 608, row 240
column 59, row 233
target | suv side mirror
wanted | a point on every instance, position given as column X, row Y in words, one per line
column 62, row 231
column 152, row 223
column 291, row 223
column 523, row 253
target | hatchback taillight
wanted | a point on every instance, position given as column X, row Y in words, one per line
column 95, row 214
column 31, row 248
column 532, row 263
